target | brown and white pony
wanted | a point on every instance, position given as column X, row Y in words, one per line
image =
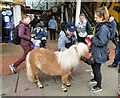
column 54, row 63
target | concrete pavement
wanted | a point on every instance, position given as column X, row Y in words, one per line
column 18, row 85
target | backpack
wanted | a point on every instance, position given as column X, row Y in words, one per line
column 16, row 38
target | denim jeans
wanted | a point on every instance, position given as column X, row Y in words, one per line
column 117, row 54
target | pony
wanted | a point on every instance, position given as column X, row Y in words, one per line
column 54, row 63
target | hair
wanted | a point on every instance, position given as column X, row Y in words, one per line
column 63, row 26
column 82, row 14
column 103, row 12
column 25, row 16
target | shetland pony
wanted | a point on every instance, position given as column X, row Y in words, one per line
column 54, row 63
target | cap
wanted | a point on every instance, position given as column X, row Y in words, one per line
column 71, row 27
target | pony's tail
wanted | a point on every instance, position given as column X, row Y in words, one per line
column 30, row 75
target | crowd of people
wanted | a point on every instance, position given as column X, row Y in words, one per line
column 70, row 34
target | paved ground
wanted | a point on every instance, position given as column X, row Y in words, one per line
column 18, row 85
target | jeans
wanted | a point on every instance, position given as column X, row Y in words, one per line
column 21, row 59
column 117, row 54
column 96, row 67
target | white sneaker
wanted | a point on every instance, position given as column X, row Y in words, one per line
column 92, row 82
column 96, row 89
column 12, row 68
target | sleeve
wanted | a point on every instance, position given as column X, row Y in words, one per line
column 22, row 32
column 56, row 24
column 113, row 29
column 33, row 32
column 89, row 28
column 45, row 34
column 102, row 38
column 49, row 23
column 61, row 43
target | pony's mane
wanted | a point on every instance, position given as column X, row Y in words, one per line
column 71, row 57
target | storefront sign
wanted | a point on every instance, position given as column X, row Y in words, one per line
column 18, row 2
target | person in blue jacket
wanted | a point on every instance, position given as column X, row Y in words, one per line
column 40, row 36
column 67, row 36
column 99, row 46
column 113, row 29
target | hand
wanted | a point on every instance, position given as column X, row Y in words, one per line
column 43, row 38
column 32, row 39
column 32, row 35
column 90, row 36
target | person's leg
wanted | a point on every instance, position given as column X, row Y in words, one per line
column 117, row 56
column 20, row 60
column 36, row 44
column 50, row 34
column 97, row 74
column 54, row 34
column 43, row 43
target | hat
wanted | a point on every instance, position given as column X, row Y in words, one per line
column 71, row 27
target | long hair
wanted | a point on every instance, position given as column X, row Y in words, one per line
column 103, row 12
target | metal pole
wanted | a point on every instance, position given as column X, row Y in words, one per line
column 78, row 8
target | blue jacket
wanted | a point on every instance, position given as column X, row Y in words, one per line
column 100, row 42
column 64, row 41
column 40, row 34
column 52, row 24
column 113, row 29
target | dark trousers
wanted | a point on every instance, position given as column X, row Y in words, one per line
column 52, row 34
column 21, row 59
column 97, row 73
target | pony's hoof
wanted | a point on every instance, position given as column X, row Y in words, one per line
column 64, row 89
column 40, row 86
column 68, row 85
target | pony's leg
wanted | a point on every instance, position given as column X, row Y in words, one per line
column 36, row 76
column 64, row 78
column 67, row 80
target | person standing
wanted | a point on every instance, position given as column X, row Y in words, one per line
column 99, row 46
column 53, row 28
column 113, row 29
column 116, row 61
column 83, row 28
column 67, row 36
column 26, row 41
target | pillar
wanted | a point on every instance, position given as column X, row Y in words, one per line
column 17, row 14
column 78, row 8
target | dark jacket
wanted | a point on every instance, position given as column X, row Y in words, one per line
column 39, row 35
column 25, row 34
column 88, row 28
column 100, row 42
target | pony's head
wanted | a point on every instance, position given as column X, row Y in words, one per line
column 82, row 49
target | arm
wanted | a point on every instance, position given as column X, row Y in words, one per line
column 88, row 28
column 101, row 38
column 113, row 31
column 61, row 43
column 22, row 32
